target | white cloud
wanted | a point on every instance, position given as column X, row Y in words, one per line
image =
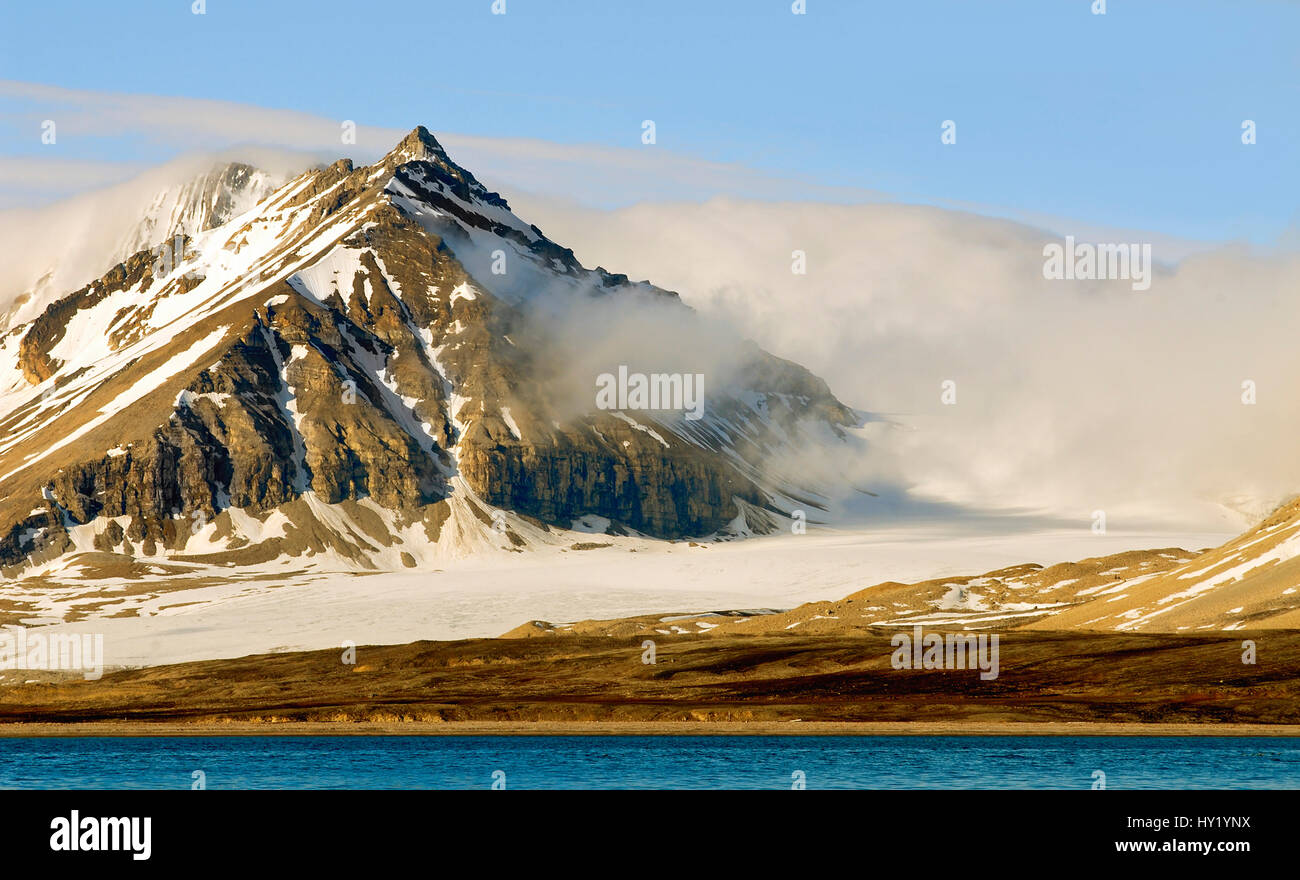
column 591, row 173
column 64, row 176
column 1072, row 396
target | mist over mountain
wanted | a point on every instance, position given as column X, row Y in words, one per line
column 379, row 366
column 1070, row 396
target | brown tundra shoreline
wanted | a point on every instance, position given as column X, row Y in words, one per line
column 640, row 728
column 1049, row 683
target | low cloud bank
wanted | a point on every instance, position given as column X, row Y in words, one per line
column 1070, row 396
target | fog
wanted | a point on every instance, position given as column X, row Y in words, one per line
column 1071, row 396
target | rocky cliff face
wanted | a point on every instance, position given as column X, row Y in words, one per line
column 357, row 367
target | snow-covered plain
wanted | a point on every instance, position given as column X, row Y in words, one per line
column 486, row 595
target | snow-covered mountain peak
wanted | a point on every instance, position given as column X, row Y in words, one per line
column 378, row 366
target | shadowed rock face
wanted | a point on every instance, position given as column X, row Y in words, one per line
column 334, row 343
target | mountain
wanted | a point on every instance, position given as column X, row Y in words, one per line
column 199, row 204
column 377, row 367
column 1251, row 582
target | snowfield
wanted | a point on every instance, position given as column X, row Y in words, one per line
column 259, row 610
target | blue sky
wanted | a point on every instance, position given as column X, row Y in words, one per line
column 1130, row 119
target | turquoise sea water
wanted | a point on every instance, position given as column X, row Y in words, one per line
column 650, row 762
